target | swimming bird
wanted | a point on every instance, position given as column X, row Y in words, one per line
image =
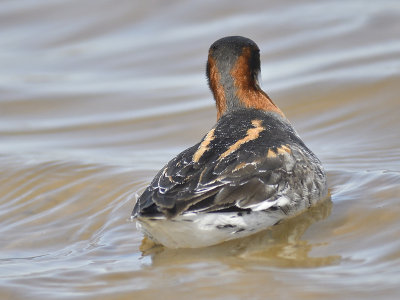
column 250, row 171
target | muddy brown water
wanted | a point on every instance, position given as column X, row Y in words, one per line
column 95, row 96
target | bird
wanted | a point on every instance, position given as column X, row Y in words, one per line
column 248, row 173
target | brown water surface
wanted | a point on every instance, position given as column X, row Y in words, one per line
column 95, row 96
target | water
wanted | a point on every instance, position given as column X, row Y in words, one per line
column 95, row 96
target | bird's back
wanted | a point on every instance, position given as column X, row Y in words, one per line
column 252, row 161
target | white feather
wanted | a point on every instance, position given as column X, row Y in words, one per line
column 193, row 230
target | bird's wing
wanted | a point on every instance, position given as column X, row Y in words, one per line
column 243, row 163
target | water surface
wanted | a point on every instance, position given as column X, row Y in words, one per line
column 95, row 96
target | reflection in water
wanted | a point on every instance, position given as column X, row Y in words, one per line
column 281, row 245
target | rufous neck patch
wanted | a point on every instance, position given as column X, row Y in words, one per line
column 247, row 90
column 216, row 87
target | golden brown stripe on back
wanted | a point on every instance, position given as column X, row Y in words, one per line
column 283, row 149
column 252, row 134
column 204, row 145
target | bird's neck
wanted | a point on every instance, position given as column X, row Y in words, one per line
column 237, row 87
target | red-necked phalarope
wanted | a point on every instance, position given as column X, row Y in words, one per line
column 250, row 171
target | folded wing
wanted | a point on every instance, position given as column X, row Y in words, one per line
column 244, row 163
